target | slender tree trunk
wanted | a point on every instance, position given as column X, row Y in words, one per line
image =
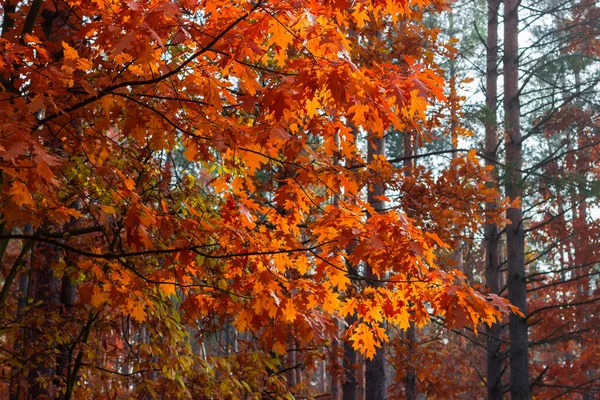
column 350, row 362
column 582, row 163
column 457, row 256
column 68, row 297
column 334, row 382
column 375, row 385
column 582, row 252
column 9, row 7
column 410, row 379
column 291, row 364
column 360, row 377
column 515, row 237
column 298, row 369
column 46, row 289
column 16, row 381
column 491, row 231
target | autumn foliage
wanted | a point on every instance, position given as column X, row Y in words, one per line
column 174, row 171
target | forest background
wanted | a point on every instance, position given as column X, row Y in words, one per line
column 338, row 199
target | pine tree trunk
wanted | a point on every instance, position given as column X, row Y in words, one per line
column 515, row 236
column 457, row 256
column 492, row 233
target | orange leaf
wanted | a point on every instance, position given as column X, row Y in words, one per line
column 69, row 52
column 20, row 194
column 99, row 297
column 135, row 309
column 363, row 340
column 289, row 312
column 280, row 35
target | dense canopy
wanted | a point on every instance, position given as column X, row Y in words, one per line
column 197, row 201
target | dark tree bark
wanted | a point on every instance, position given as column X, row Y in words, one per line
column 375, row 374
column 46, row 292
column 68, row 297
column 410, row 380
column 491, row 231
column 350, row 362
column 515, row 236
column 360, row 377
column 16, row 383
column 334, row 382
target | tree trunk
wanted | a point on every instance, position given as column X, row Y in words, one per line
column 46, row 289
column 515, row 237
column 16, row 381
column 291, row 364
column 350, row 361
column 491, row 231
column 375, row 387
column 334, row 382
column 410, row 380
column 360, row 377
column 457, row 256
